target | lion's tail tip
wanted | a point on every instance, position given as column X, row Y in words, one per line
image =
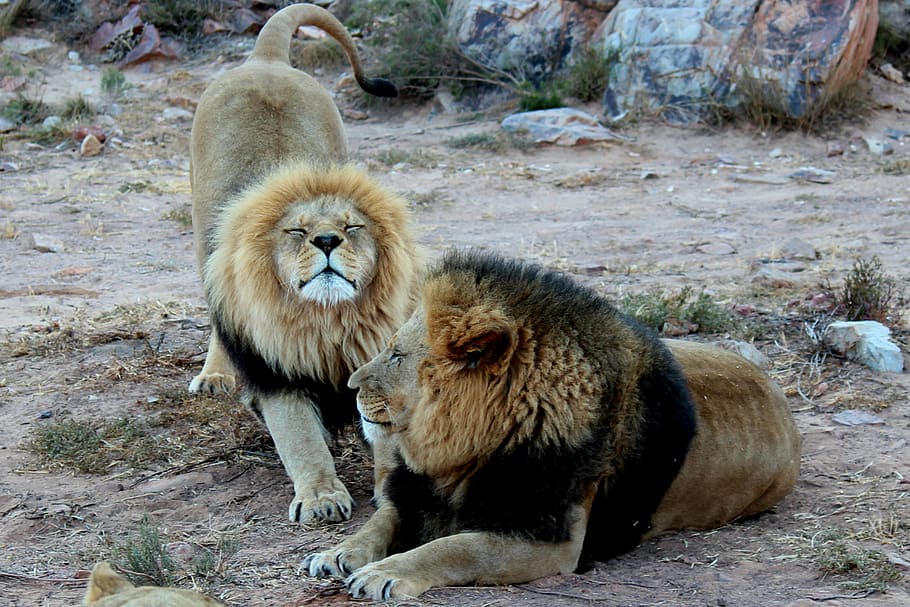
column 380, row 87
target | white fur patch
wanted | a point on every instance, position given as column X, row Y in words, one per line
column 328, row 289
column 372, row 431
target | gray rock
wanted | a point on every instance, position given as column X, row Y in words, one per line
column 672, row 55
column 561, row 126
column 796, row 248
column 680, row 60
column 52, row 122
column 46, row 243
column 6, row 125
column 747, row 351
column 25, row 45
column 856, row 417
column 894, row 16
column 527, row 38
column 866, row 342
column 176, row 114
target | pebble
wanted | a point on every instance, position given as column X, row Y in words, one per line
column 879, row 148
column 46, row 243
column 90, row 146
column 856, row 417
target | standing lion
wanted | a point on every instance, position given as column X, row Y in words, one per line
column 308, row 266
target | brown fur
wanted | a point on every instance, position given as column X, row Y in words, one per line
column 471, row 378
column 106, row 588
column 308, row 265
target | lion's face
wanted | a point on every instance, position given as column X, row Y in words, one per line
column 388, row 385
column 325, row 250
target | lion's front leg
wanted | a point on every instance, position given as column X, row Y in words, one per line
column 217, row 375
column 369, row 544
column 300, row 439
column 462, row 559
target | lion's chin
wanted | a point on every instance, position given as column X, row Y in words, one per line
column 374, row 431
column 328, row 289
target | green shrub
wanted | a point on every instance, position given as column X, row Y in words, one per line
column 657, row 308
column 589, row 76
column 144, row 559
column 867, row 293
column 113, row 82
column 26, row 110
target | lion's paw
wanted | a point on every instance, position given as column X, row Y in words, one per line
column 331, row 503
column 213, row 383
column 382, row 581
column 338, row 562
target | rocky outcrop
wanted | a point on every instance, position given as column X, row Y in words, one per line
column 801, row 52
column 680, row 59
column 674, row 56
column 526, row 38
column 683, row 59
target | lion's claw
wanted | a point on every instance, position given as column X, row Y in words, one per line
column 213, row 383
column 331, row 504
column 380, row 582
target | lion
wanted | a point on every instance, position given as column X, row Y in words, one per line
column 538, row 429
column 107, row 588
column 308, row 266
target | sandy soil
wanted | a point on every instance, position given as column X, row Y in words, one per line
column 114, row 326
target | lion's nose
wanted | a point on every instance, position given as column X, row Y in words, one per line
column 326, row 242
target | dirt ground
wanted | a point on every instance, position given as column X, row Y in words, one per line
column 114, row 326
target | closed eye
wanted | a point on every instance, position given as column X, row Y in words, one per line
column 352, row 227
column 298, row 232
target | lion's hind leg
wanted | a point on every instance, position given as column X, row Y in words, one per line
column 217, row 375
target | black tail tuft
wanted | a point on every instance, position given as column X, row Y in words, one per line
column 379, row 87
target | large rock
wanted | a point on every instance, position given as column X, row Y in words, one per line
column 894, row 16
column 525, row 38
column 681, row 59
column 674, row 55
column 804, row 51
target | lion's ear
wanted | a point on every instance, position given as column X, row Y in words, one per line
column 478, row 338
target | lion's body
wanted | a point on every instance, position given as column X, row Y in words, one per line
column 106, row 588
column 537, row 427
column 308, row 266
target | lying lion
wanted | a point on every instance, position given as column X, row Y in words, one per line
column 536, row 427
column 308, row 266
column 106, row 588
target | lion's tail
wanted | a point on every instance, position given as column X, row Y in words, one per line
column 274, row 42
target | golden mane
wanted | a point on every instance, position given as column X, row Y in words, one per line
column 246, row 294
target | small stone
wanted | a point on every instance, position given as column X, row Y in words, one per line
column 716, row 248
column 747, row 351
column 73, row 57
column 51, row 122
column 776, row 153
column 891, row 73
column 90, row 146
column 796, row 248
column 813, row 175
column 896, row 134
column 176, row 113
column 835, row 148
column 879, row 148
column 47, row 244
column 351, row 114
column 866, row 342
column 6, row 125
column 856, row 417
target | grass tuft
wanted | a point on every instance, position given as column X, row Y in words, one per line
column 144, row 559
column 867, row 294
column 677, row 313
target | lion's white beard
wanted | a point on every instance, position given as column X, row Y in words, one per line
column 374, row 433
column 328, row 289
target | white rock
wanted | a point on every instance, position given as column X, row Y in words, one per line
column 747, row 351
column 866, row 342
column 562, row 126
column 176, row 113
column 46, row 243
